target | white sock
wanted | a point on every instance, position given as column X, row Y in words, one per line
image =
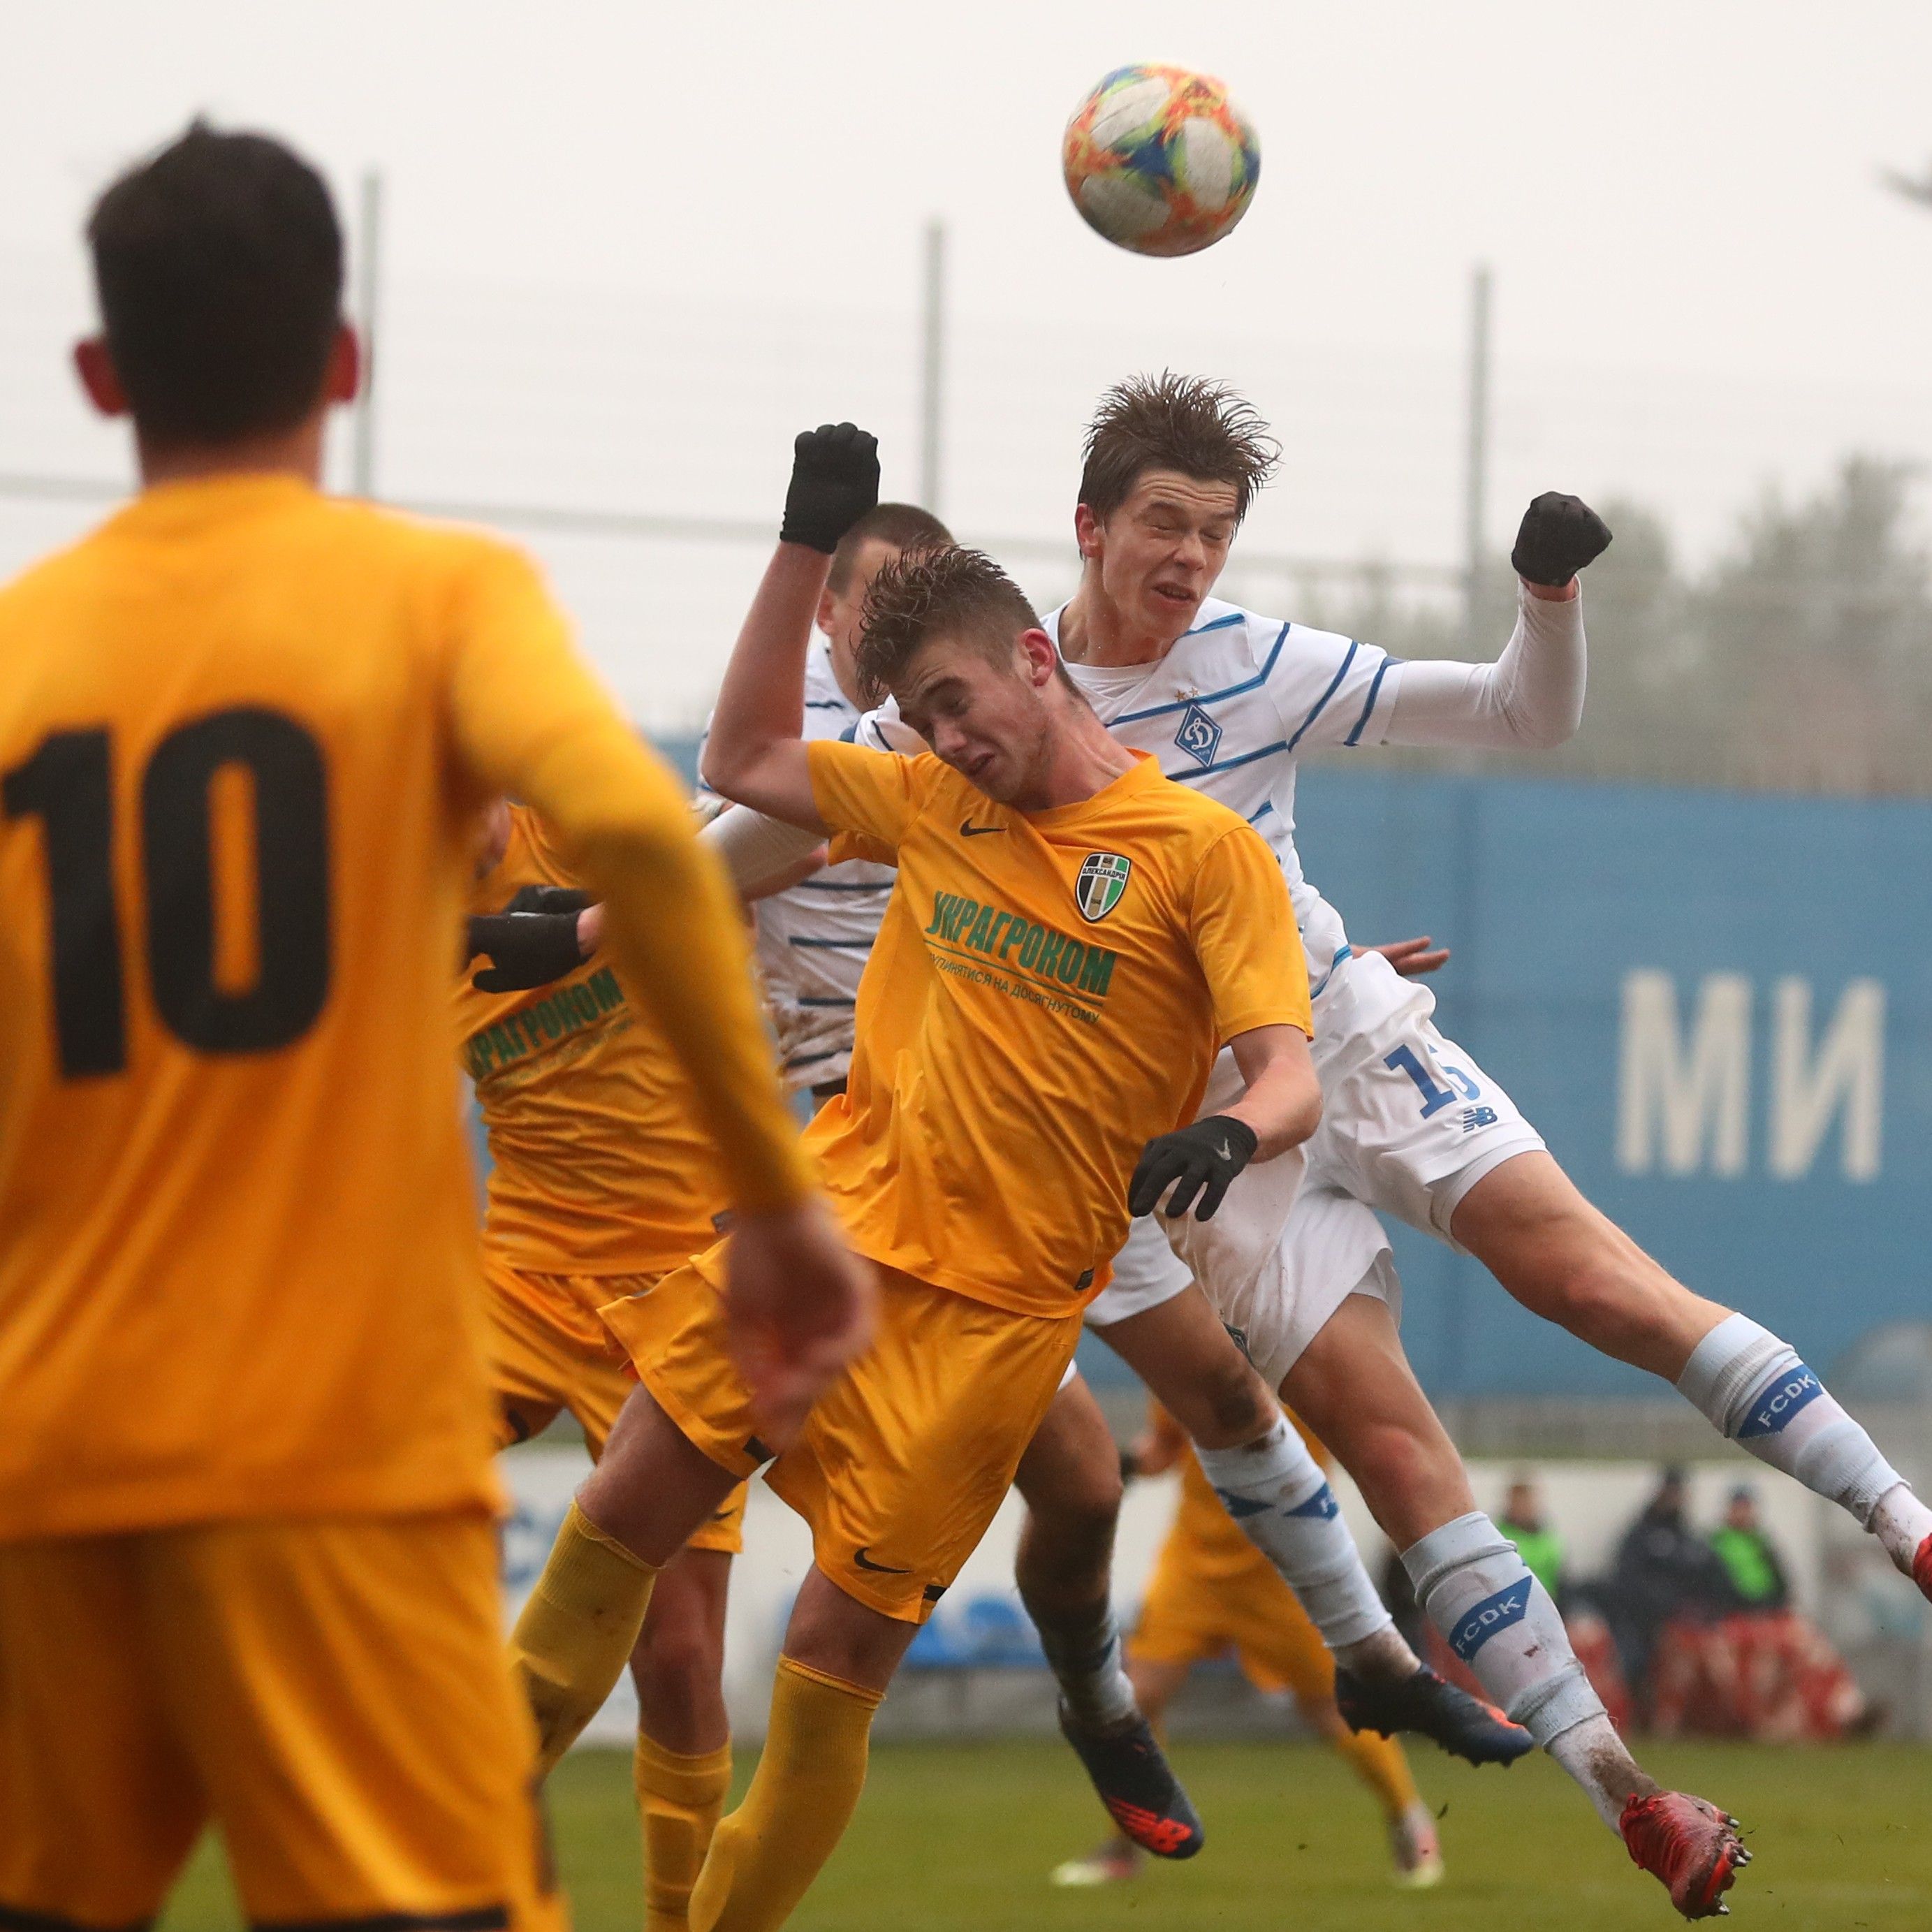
column 1600, row 1761
column 1756, row 1391
column 1499, row 1619
column 1275, row 1490
column 1087, row 1664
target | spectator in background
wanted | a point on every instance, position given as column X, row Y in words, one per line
column 1522, row 1520
column 1750, row 1561
column 1664, row 1570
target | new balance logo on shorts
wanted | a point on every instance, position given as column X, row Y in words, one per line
column 1778, row 1404
column 1474, row 1117
column 1492, row 1614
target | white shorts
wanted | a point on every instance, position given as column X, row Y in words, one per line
column 1331, row 1248
column 1409, row 1124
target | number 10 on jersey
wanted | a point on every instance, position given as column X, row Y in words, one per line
column 67, row 785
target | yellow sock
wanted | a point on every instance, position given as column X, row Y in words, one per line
column 679, row 1799
column 1380, row 1763
column 764, row 1857
column 576, row 1632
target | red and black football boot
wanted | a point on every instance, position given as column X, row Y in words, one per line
column 1690, row 1845
column 1142, row 1796
column 1425, row 1704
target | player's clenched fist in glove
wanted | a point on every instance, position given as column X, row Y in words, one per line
column 1559, row 535
column 533, row 940
column 1202, row 1159
column 835, row 481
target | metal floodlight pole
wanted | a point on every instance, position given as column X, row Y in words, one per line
column 932, row 364
column 362, row 455
column 1476, row 476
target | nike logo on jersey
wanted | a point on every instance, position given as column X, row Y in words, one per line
column 967, row 830
column 861, row 1557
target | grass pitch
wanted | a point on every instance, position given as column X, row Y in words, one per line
column 960, row 1838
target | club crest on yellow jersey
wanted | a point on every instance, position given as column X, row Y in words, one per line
column 1103, row 878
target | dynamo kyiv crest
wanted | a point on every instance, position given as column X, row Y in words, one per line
column 1103, row 878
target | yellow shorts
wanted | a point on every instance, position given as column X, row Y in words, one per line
column 905, row 1459
column 547, row 1351
column 333, row 1694
column 1192, row 1613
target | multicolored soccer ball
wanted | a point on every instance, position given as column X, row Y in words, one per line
column 1159, row 160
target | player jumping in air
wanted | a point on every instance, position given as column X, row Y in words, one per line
column 1059, row 907
column 1228, row 699
column 1213, row 1593
column 247, row 1545
column 815, row 937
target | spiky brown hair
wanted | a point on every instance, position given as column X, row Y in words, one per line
column 922, row 594
column 1186, row 423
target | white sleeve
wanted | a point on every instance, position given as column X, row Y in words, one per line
column 1531, row 698
column 758, row 851
column 884, row 730
column 1327, row 689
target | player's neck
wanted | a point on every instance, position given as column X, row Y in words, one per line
column 1082, row 760
column 1094, row 630
column 294, row 452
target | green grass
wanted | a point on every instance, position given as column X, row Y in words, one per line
column 959, row 1838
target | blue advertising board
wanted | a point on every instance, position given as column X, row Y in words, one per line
column 1715, row 1008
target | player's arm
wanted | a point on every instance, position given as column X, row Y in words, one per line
column 1244, row 934
column 1531, row 698
column 756, row 753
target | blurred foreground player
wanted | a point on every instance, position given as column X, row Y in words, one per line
column 981, row 1158
column 1213, row 1593
column 245, row 732
column 603, row 1178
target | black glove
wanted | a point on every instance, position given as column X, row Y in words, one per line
column 1559, row 536
column 549, row 899
column 1202, row 1159
column 835, row 481
column 528, row 949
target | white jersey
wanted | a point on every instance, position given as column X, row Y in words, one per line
column 813, row 939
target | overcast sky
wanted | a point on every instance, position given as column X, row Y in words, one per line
column 1701, row 287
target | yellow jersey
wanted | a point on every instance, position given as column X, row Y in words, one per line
column 1047, row 993
column 245, row 732
column 601, row 1164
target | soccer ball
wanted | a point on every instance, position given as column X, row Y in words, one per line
column 1159, row 160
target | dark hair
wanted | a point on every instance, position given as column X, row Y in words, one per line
column 904, row 526
column 924, row 594
column 1187, row 423
column 218, row 263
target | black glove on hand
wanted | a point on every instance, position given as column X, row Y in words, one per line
column 528, row 949
column 1559, row 536
column 835, row 481
column 550, row 898
column 1202, row 1159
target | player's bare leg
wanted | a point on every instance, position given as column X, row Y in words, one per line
column 839, row 1657
column 1070, row 1478
column 1353, row 1385
column 683, row 1761
column 1276, row 1491
column 1563, row 1259
column 651, row 1489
